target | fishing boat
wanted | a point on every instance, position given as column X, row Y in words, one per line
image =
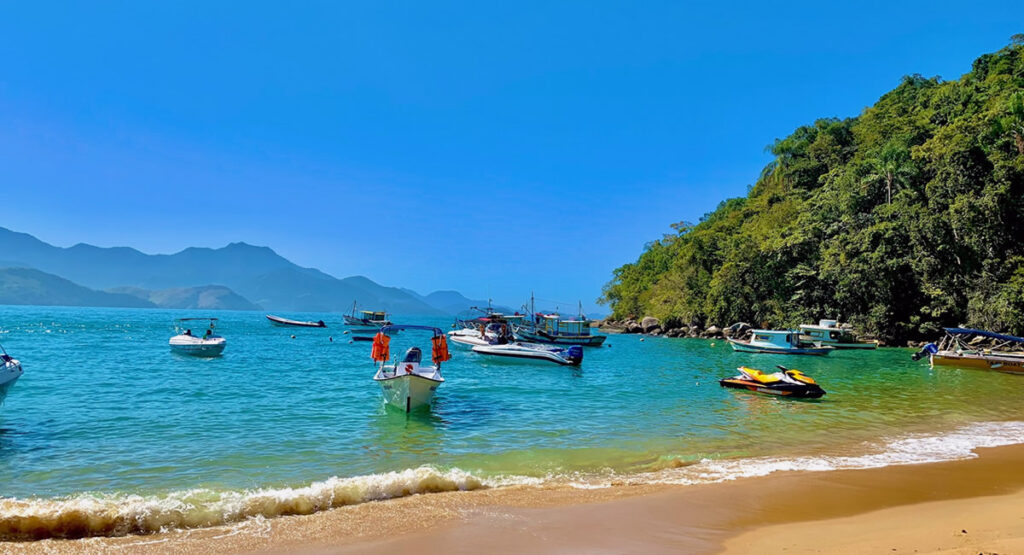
column 366, row 318
column 409, row 384
column 285, row 322
column 959, row 347
column 785, row 383
column 527, row 352
column 828, row 332
column 780, row 342
column 554, row 329
column 10, row 371
column 186, row 343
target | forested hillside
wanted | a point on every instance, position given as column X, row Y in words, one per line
column 902, row 220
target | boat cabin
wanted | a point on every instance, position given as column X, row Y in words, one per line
column 783, row 339
column 554, row 325
column 829, row 331
column 373, row 317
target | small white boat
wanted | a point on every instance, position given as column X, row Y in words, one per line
column 409, row 384
column 828, row 332
column 780, row 342
column 566, row 356
column 285, row 322
column 10, row 371
column 489, row 335
column 186, row 343
column 366, row 318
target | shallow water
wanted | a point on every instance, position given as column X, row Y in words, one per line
column 107, row 420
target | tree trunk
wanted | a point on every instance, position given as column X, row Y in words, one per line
column 1019, row 139
column 888, row 188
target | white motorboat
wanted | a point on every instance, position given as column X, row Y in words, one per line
column 10, row 371
column 186, row 343
column 409, row 384
column 829, row 333
column 567, row 356
column 481, row 335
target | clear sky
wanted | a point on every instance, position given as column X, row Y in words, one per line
column 492, row 148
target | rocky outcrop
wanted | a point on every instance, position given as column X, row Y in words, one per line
column 649, row 323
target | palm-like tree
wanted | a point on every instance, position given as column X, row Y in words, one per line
column 892, row 166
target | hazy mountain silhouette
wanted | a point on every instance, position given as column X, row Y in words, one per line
column 260, row 275
column 33, row 287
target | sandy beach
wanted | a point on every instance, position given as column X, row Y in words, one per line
column 966, row 506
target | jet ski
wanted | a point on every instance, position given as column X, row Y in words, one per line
column 787, row 383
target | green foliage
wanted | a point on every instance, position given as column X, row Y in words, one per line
column 902, row 220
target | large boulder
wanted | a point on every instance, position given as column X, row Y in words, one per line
column 633, row 327
column 649, row 323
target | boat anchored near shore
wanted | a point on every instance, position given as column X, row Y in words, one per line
column 409, row 384
column 829, row 333
column 780, row 342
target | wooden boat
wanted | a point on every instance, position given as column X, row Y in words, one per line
column 554, row 329
column 955, row 349
column 779, row 342
column 366, row 318
column 409, row 384
column 278, row 321
column 828, row 332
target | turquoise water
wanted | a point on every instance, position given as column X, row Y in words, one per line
column 105, row 413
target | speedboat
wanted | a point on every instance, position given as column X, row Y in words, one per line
column 568, row 356
column 10, row 371
column 828, row 333
column 185, row 343
column 785, row 383
column 780, row 342
column 483, row 335
column 409, row 384
column 278, row 321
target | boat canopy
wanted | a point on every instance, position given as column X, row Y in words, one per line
column 439, row 344
column 983, row 333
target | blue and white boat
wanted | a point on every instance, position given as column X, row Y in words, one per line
column 553, row 328
column 780, row 342
column 10, row 371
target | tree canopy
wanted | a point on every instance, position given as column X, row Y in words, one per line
column 905, row 219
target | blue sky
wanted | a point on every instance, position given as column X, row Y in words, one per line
column 433, row 145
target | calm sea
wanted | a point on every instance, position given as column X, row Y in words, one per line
column 110, row 433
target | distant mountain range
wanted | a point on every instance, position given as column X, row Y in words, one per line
column 237, row 277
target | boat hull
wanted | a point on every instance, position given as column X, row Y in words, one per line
column 550, row 339
column 10, row 371
column 408, row 392
column 748, row 348
column 858, row 345
column 1008, row 364
column 198, row 347
column 520, row 353
column 286, row 323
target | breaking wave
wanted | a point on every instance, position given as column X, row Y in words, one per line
column 120, row 514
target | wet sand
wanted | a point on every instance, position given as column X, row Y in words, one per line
column 896, row 509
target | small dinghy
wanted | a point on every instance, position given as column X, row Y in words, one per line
column 278, row 321
column 409, row 384
column 10, row 371
column 787, row 383
column 566, row 356
column 185, row 343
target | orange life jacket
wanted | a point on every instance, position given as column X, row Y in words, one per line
column 440, row 349
column 380, row 351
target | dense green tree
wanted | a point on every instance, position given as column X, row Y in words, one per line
column 902, row 220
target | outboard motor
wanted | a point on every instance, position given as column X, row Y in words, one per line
column 574, row 354
column 927, row 350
